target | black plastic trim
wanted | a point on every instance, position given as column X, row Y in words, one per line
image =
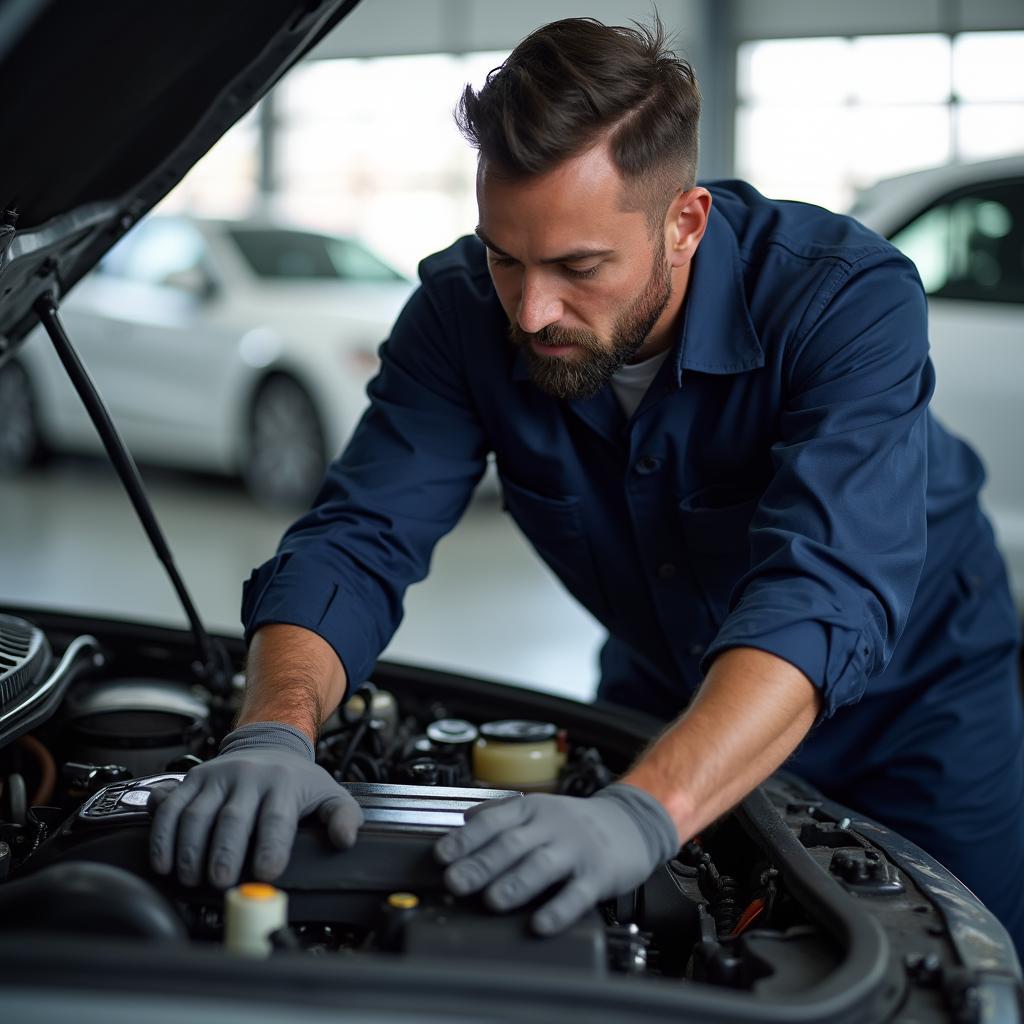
column 980, row 940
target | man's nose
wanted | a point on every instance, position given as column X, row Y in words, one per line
column 539, row 304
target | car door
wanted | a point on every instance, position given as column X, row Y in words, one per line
column 969, row 250
column 148, row 329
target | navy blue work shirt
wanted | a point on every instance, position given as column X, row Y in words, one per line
column 781, row 486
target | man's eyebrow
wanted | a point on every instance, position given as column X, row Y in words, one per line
column 569, row 257
column 490, row 245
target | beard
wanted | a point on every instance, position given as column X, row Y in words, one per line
column 594, row 362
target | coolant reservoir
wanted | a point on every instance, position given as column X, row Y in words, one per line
column 251, row 912
column 517, row 754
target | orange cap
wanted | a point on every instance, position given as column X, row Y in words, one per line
column 257, row 891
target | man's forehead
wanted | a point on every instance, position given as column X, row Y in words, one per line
column 589, row 178
column 593, row 169
column 578, row 205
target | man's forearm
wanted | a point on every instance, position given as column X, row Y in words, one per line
column 292, row 676
column 749, row 715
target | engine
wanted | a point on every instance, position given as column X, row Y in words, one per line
column 74, row 825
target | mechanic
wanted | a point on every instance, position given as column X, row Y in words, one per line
column 709, row 412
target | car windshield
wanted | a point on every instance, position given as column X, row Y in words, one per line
column 290, row 255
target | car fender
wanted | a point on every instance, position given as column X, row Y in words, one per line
column 249, row 389
column 338, row 396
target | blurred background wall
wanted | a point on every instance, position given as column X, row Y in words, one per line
column 807, row 100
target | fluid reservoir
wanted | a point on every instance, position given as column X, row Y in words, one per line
column 517, row 754
column 251, row 912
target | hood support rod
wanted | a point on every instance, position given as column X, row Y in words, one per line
column 214, row 666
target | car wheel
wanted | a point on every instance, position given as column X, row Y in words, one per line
column 20, row 439
column 286, row 456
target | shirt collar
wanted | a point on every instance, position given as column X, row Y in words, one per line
column 717, row 334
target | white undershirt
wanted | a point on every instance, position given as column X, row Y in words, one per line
column 632, row 381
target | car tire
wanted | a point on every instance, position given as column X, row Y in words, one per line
column 20, row 435
column 285, row 454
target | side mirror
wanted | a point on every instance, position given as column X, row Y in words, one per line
column 194, row 280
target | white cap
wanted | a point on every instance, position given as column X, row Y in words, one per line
column 251, row 912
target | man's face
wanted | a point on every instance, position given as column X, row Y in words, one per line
column 584, row 282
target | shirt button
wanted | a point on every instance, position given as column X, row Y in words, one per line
column 695, row 650
column 666, row 571
column 647, row 464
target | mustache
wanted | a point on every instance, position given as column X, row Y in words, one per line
column 552, row 335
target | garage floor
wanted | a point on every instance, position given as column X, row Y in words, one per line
column 70, row 540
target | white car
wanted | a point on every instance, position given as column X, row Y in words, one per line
column 232, row 347
column 963, row 225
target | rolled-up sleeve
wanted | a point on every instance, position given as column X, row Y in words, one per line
column 402, row 482
column 838, row 540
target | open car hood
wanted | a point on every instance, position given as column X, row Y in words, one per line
column 107, row 107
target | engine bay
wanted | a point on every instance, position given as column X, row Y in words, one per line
column 768, row 902
column 75, row 792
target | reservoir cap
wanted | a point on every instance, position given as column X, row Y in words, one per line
column 452, row 731
column 516, row 730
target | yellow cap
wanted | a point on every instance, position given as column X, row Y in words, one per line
column 257, row 891
column 403, row 900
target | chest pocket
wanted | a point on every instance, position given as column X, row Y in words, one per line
column 554, row 526
column 717, row 546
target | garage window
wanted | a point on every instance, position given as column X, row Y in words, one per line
column 820, row 118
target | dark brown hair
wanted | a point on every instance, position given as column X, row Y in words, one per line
column 569, row 83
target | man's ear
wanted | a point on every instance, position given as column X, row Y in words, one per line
column 686, row 222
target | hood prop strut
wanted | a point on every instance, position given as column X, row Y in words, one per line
column 214, row 666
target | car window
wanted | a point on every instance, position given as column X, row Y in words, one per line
column 356, row 263
column 283, row 254
column 970, row 245
column 156, row 252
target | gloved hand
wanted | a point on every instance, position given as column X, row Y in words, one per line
column 600, row 847
column 265, row 779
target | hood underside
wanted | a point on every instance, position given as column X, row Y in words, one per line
column 107, row 105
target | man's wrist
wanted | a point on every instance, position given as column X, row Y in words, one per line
column 678, row 804
column 292, row 675
column 659, row 830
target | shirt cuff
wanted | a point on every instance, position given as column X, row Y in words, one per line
column 834, row 658
column 297, row 591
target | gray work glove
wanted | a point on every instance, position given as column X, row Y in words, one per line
column 599, row 847
column 265, row 779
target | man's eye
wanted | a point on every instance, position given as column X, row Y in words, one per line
column 501, row 261
column 583, row 275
